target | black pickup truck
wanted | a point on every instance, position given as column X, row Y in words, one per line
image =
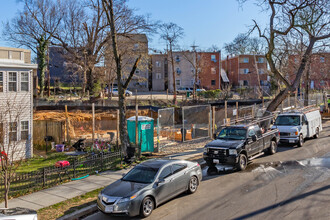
column 236, row 145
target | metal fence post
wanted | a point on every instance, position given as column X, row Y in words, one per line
column 102, row 165
column 74, row 168
column 44, row 177
column 183, row 132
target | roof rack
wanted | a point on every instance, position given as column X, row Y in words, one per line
column 252, row 121
column 304, row 110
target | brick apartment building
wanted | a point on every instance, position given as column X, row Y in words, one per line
column 242, row 70
column 210, row 75
column 319, row 70
column 184, row 67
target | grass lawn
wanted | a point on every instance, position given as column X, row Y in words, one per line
column 38, row 162
column 69, row 206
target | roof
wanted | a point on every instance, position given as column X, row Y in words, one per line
column 156, row 163
column 134, row 37
column 140, row 118
column 19, row 65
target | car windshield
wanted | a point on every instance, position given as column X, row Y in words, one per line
column 232, row 133
column 287, row 120
column 141, row 174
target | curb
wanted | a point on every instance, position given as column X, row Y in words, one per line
column 80, row 213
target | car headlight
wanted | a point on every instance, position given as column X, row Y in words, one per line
column 294, row 133
column 127, row 199
column 232, row 151
column 205, row 149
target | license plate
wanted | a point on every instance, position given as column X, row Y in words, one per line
column 216, row 152
column 215, row 161
column 291, row 141
column 108, row 209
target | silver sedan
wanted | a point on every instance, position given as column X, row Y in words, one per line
column 148, row 185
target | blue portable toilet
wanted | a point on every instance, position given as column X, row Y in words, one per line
column 145, row 132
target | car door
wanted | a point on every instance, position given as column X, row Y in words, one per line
column 164, row 188
column 179, row 177
column 253, row 146
column 304, row 125
column 261, row 141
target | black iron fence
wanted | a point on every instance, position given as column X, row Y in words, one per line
column 23, row 183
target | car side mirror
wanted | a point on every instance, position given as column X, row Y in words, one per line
column 214, row 136
column 160, row 182
column 254, row 138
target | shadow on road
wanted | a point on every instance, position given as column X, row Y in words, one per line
column 283, row 203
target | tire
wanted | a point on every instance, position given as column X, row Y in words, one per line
column 147, row 206
column 300, row 141
column 193, row 185
column 272, row 148
column 317, row 133
column 242, row 162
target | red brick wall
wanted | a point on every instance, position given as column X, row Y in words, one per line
column 206, row 76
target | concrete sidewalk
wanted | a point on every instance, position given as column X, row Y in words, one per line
column 51, row 196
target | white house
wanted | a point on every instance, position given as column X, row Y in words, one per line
column 16, row 101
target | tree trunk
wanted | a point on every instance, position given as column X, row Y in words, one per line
column 307, row 82
column 84, row 83
column 6, row 188
column 90, row 80
column 122, row 122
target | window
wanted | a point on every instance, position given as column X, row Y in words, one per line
column 137, row 71
column 213, row 82
column 295, row 60
column 178, row 70
column 1, row 81
column 192, row 82
column 13, row 131
column 158, row 76
column 245, row 83
column 136, row 46
column 25, row 81
column 177, row 58
column 252, row 132
column 245, row 60
column 24, row 130
column 178, row 82
column 246, row 71
column 165, row 173
column 22, row 55
column 12, row 81
column 158, row 64
column 178, row 167
column 261, row 60
column 261, row 82
column 213, row 58
column 322, row 59
column 213, row 70
column 261, row 71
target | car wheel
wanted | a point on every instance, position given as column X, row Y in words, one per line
column 147, row 206
column 317, row 133
column 272, row 148
column 193, row 185
column 242, row 162
column 300, row 141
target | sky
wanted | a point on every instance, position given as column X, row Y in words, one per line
column 205, row 22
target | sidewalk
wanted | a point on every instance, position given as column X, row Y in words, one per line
column 51, row 196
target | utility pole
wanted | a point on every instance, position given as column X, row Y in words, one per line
column 196, row 69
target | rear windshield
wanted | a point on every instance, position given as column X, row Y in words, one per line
column 292, row 120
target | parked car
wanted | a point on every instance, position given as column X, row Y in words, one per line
column 200, row 90
column 148, row 185
column 236, row 145
column 18, row 214
column 295, row 126
column 184, row 90
column 115, row 92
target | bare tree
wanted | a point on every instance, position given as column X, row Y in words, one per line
column 12, row 149
column 243, row 44
column 34, row 27
column 307, row 17
column 122, row 23
column 171, row 33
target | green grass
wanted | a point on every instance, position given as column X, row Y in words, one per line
column 69, row 206
column 38, row 162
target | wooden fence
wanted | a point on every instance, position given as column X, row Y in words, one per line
column 41, row 129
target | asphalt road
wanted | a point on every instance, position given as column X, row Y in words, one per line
column 292, row 184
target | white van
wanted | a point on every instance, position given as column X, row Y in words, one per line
column 295, row 126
